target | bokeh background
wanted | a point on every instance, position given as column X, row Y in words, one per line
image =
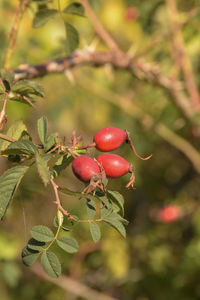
column 158, row 260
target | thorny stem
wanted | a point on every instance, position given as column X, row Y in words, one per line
column 128, row 140
column 59, row 206
column 14, row 31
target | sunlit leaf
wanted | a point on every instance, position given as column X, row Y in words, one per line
column 15, row 131
column 43, row 168
column 75, row 8
column 9, row 182
column 43, row 16
column 72, row 38
column 42, row 129
column 20, row 148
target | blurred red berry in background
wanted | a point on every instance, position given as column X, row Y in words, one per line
column 131, row 13
column 169, row 214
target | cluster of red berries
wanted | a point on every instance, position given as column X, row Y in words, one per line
column 107, row 165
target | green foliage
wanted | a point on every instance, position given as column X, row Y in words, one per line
column 43, row 16
column 50, row 264
column 69, row 245
column 75, row 8
column 72, row 38
column 9, row 182
column 42, row 129
column 15, row 131
column 29, row 256
column 95, row 231
column 42, row 233
column 117, row 222
column 43, row 168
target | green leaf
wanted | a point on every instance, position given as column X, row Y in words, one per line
column 7, row 78
column 95, row 232
column 20, row 148
column 9, row 182
column 72, row 38
column 29, row 256
column 62, row 163
column 75, row 8
column 42, row 233
column 15, row 131
column 35, row 245
column 70, row 245
column 43, row 16
column 116, row 221
column 50, row 141
column 43, row 168
column 91, row 208
column 106, row 211
column 28, row 87
column 117, row 199
column 42, row 129
column 51, row 264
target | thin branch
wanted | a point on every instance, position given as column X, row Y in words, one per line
column 70, row 285
column 59, row 206
column 14, row 30
column 106, row 37
column 180, row 55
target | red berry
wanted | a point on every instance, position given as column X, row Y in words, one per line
column 109, row 138
column 84, row 167
column 169, row 214
column 114, row 165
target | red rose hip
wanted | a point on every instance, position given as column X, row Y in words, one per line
column 84, row 167
column 109, row 138
column 116, row 166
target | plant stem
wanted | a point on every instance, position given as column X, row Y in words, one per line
column 7, row 138
column 14, row 30
column 59, row 206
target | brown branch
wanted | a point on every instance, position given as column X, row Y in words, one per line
column 139, row 68
column 106, row 37
column 14, row 30
column 180, row 55
column 72, row 286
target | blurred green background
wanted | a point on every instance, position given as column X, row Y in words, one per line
column 157, row 261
